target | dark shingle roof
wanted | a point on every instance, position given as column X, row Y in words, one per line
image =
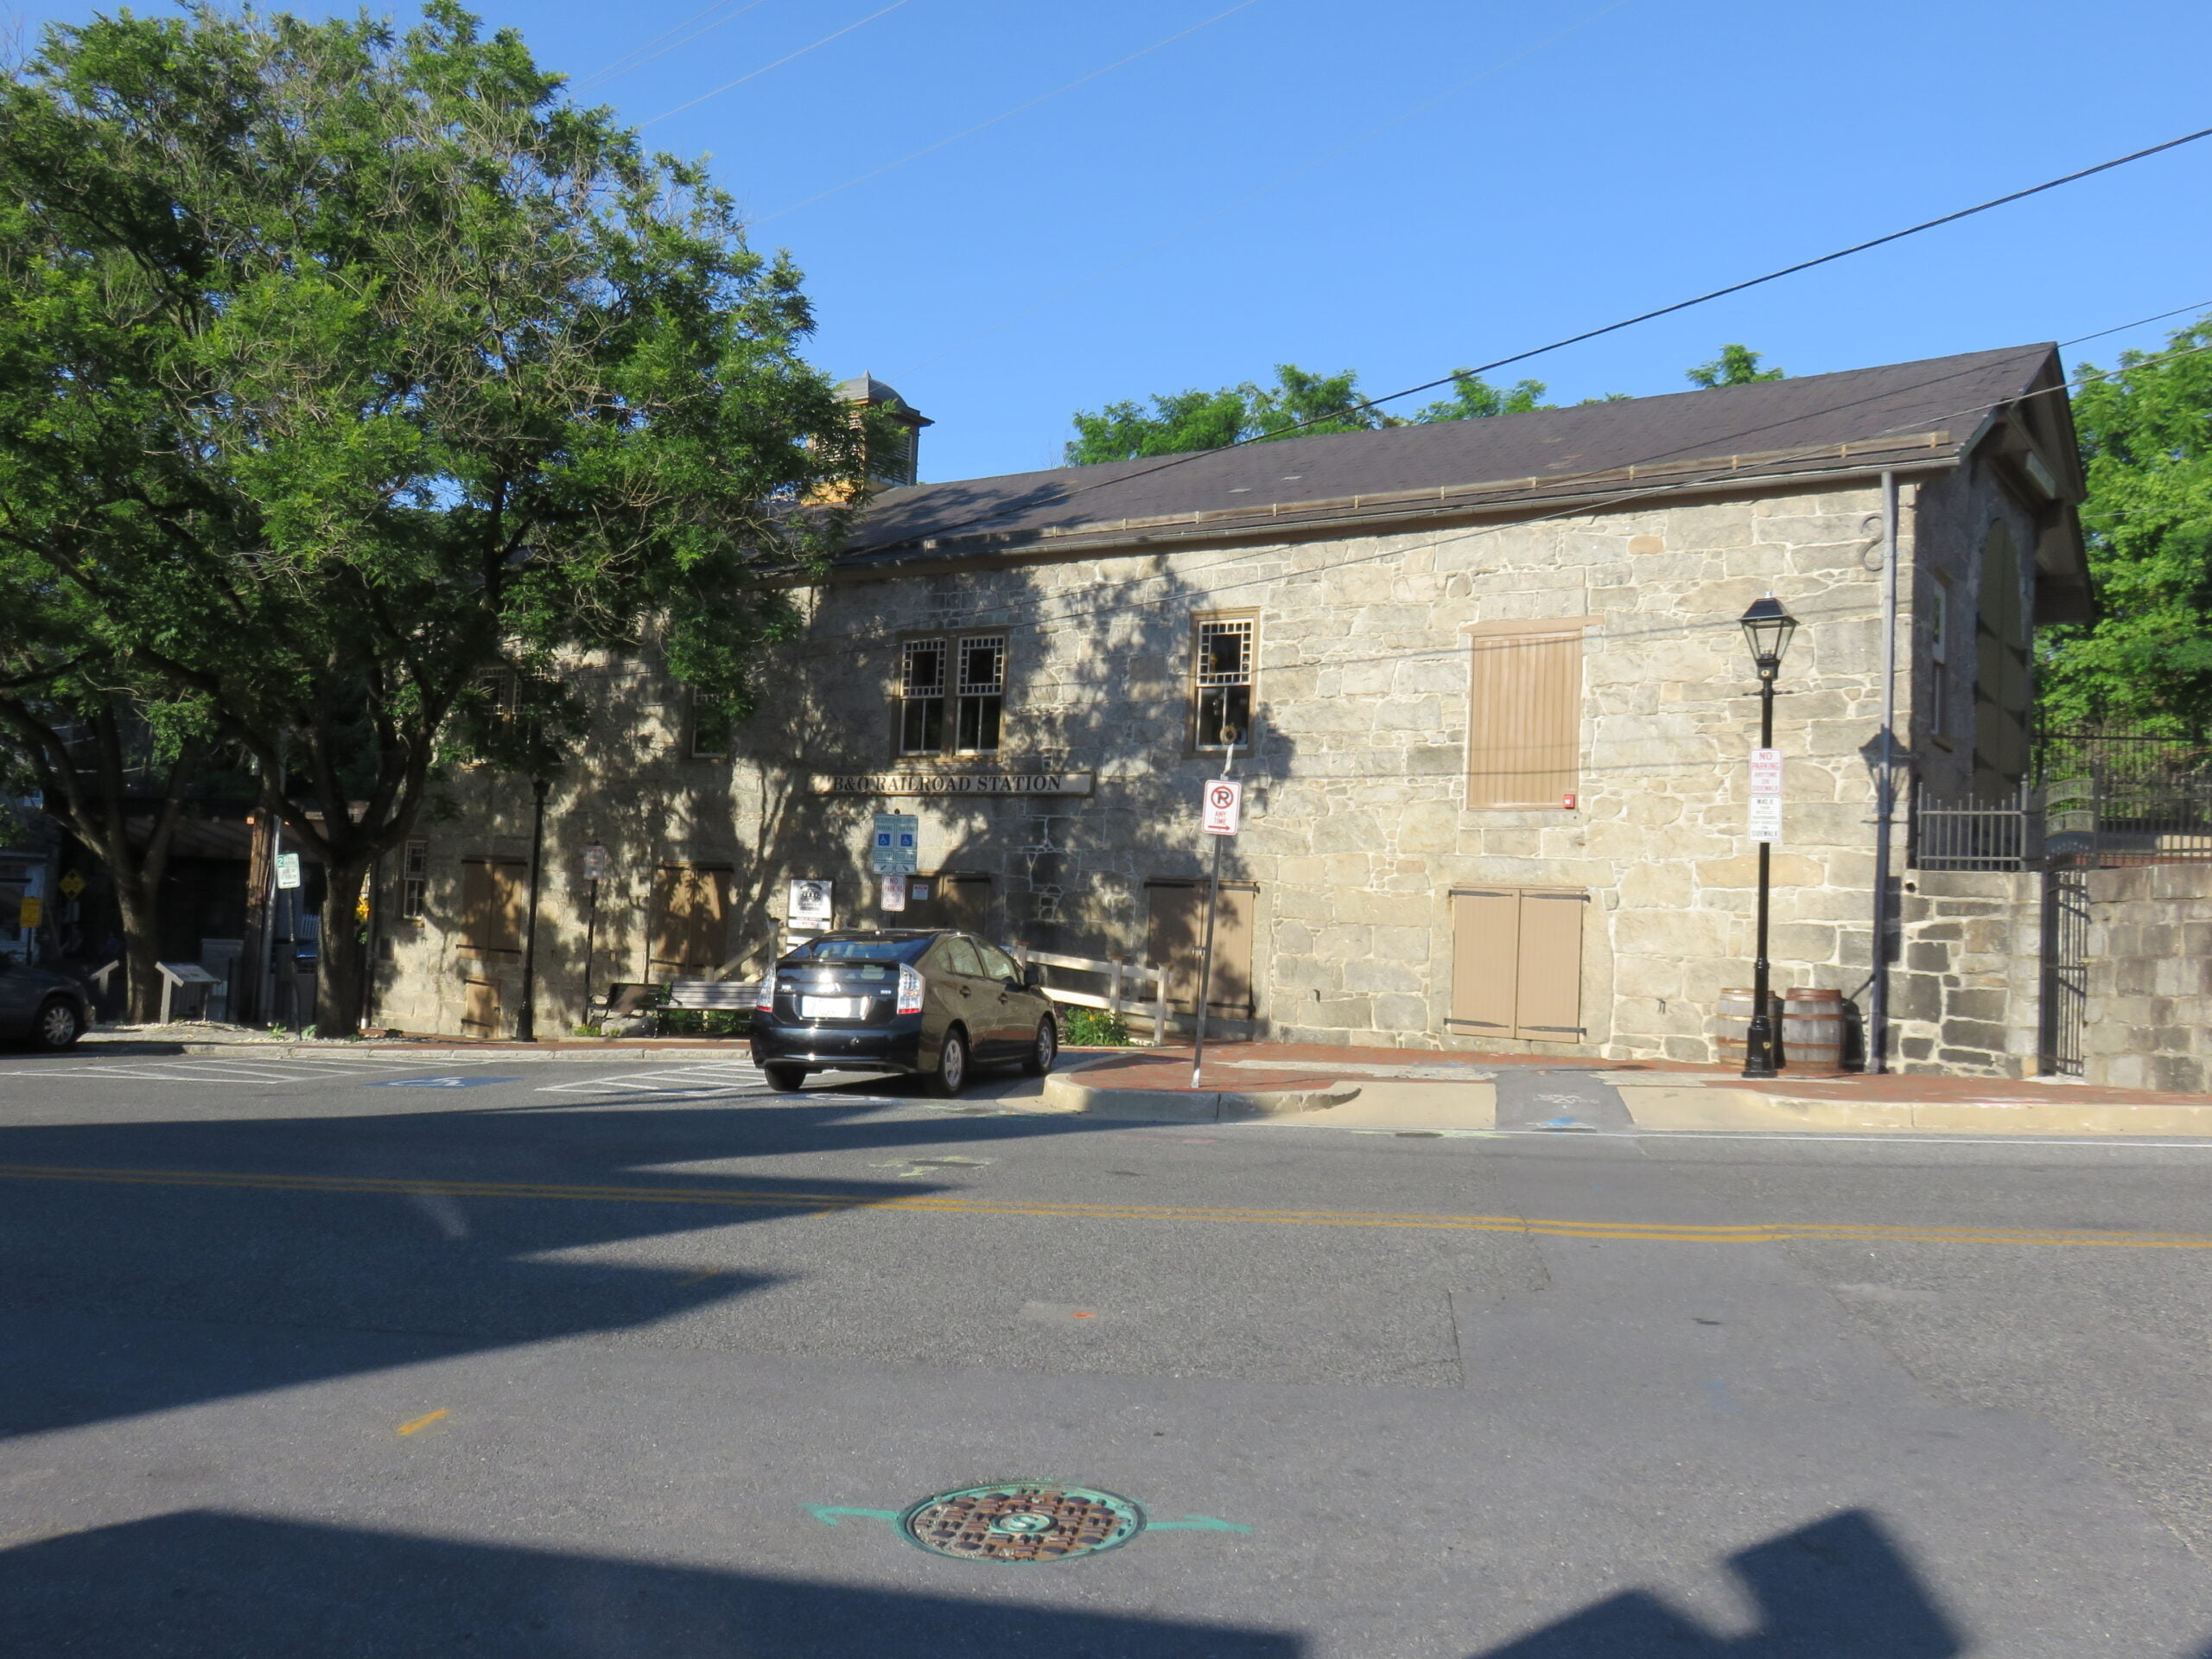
column 1905, row 413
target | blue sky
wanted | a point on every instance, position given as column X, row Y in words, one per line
column 1403, row 188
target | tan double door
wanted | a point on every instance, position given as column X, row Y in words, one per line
column 1175, row 939
column 1516, row 963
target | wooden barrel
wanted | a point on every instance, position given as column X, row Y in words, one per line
column 1732, row 1026
column 1812, row 1030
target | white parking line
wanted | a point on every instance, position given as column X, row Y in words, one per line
column 226, row 1070
column 670, row 1082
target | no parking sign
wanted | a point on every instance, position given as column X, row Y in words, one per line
column 1224, row 805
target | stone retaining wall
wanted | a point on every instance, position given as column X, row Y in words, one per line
column 2150, row 979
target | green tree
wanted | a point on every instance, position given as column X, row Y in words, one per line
column 1736, row 365
column 2146, row 664
column 349, row 376
column 1299, row 405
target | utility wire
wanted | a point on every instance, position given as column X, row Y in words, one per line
column 645, row 53
column 788, row 57
column 1042, row 98
column 1169, row 462
column 1250, row 196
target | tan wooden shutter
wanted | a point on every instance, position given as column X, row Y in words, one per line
column 1547, row 1006
column 1517, row 963
column 1176, row 936
column 1524, row 726
column 690, row 917
column 494, row 894
column 1485, row 948
column 480, row 1008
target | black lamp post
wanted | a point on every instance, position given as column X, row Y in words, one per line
column 1767, row 628
column 526, row 1016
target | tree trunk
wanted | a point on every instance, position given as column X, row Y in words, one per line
column 142, row 946
column 339, row 981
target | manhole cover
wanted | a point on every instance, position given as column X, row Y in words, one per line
column 1021, row 1520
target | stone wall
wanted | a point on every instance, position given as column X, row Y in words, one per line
column 1357, row 828
column 2150, row 980
column 1965, row 990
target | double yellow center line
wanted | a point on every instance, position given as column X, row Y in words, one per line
column 741, row 1198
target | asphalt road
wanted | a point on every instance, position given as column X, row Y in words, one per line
column 596, row 1360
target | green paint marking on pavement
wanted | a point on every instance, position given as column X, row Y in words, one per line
column 1197, row 1523
column 829, row 1514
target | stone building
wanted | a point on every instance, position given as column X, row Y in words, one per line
column 1492, row 709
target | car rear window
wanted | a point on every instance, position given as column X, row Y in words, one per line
column 860, row 950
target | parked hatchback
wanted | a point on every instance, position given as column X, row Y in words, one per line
column 41, row 1005
column 922, row 1002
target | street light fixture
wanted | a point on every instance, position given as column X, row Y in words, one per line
column 1767, row 628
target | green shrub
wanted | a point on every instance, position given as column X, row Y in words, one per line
column 1094, row 1028
column 704, row 1022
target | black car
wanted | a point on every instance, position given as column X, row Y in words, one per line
column 923, row 1002
column 41, row 1005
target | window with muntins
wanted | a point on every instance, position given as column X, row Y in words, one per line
column 921, row 697
column 1222, row 683
column 967, row 672
column 414, row 878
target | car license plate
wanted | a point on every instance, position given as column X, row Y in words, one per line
column 831, row 1007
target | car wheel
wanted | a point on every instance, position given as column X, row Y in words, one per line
column 1045, row 1049
column 951, row 1064
column 57, row 1026
column 785, row 1079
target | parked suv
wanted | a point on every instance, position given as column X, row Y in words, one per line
column 922, row 1002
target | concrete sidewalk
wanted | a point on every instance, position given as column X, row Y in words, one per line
column 1416, row 1090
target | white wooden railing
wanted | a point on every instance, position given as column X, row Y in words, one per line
column 1126, row 982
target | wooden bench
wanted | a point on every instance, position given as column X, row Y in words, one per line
column 691, row 995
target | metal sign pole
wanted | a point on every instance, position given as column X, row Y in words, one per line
column 1213, row 905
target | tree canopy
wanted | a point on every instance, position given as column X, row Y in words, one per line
column 2146, row 664
column 340, row 365
column 1300, row 404
column 1736, row 365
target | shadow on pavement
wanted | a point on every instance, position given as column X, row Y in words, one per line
column 1838, row 1589
column 376, row 1238
column 200, row 1583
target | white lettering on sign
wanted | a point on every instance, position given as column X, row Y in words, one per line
column 1224, row 806
column 1766, row 796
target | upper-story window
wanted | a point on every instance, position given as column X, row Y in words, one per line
column 1224, row 672
column 967, row 672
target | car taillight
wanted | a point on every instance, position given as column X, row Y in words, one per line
column 764, row 1002
column 910, row 986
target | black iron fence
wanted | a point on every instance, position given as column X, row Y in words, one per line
column 2097, row 799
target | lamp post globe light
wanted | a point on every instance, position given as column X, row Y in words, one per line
column 1767, row 627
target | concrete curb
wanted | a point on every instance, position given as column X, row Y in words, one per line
column 1182, row 1106
column 1663, row 1108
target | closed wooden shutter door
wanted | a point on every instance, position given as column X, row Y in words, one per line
column 494, row 894
column 480, row 1008
column 1524, row 727
column 1517, row 963
column 1176, row 936
column 1485, row 948
column 1548, row 1005
column 691, row 917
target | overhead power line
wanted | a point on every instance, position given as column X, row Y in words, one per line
column 646, row 54
column 1042, row 98
column 1170, row 462
column 835, row 34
